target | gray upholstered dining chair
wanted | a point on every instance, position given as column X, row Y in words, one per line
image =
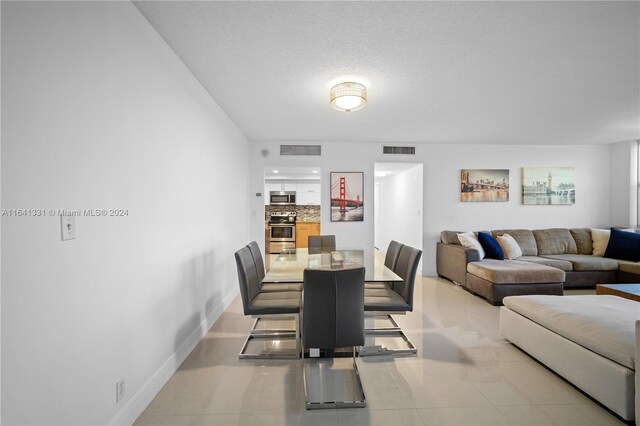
column 257, row 258
column 321, row 243
column 333, row 311
column 390, row 261
column 261, row 304
column 396, row 300
column 393, row 252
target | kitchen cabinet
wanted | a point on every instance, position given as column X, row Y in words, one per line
column 308, row 198
column 303, row 230
column 273, row 186
column 308, row 193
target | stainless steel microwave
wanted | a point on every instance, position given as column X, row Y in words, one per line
column 282, row 198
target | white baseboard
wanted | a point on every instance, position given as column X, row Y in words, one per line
column 429, row 273
column 137, row 404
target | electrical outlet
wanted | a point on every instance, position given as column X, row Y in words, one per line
column 68, row 224
column 121, row 390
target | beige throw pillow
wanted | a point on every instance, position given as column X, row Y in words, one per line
column 509, row 246
column 600, row 238
column 469, row 240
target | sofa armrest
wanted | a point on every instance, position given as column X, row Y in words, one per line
column 451, row 261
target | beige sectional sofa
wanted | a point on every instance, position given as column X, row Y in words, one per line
column 552, row 259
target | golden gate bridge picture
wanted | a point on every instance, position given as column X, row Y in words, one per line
column 346, row 197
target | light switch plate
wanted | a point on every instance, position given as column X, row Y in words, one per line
column 68, row 224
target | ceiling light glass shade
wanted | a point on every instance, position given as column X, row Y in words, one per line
column 348, row 96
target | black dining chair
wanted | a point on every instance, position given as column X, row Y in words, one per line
column 260, row 304
column 257, row 258
column 321, row 244
column 396, row 300
column 333, row 311
column 390, row 261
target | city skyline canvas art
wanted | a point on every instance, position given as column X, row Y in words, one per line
column 548, row 186
column 484, row 185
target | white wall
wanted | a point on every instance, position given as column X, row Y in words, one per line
column 400, row 208
column 98, row 112
column 624, row 184
column 441, row 206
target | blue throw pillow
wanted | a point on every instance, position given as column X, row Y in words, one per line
column 490, row 245
column 623, row 245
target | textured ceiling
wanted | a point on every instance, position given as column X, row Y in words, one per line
column 437, row 72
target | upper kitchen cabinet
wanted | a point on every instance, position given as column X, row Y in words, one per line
column 308, row 193
column 290, row 186
column 273, row 185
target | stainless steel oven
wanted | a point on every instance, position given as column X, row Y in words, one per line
column 282, row 232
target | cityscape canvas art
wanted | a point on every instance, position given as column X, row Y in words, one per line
column 347, row 191
column 548, row 185
column 488, row 185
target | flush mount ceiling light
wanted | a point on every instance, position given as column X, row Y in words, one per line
column 348, row 96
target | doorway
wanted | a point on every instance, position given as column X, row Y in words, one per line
column 292, row 198
column 398, row 197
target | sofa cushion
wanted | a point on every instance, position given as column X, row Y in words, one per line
column 629, row 267
column 554, row 241
column 565, row 265
column 524, row 238
column 450, row 237
column 509, row 246
column 492, row 249
column 623, row 245
column 469, row 240
column 582, row 237
column 602, row 324
column 514, row 272
column 582, row 262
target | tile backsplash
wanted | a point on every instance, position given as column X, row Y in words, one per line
column 305, row 213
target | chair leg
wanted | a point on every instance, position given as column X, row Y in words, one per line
column 358, row 381
column 358, row 401
column 394, row 324
column 256, row 331
column 272, row 335
column 394, row 332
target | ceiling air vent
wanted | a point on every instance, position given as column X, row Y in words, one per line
column 300, row 150
column 403, row 150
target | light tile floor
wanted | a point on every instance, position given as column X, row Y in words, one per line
column 464, row 374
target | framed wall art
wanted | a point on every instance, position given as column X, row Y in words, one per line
column 347, row 192
column 548, row 185
column 488, row 185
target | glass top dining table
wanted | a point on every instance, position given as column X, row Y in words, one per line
column 289, row 267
